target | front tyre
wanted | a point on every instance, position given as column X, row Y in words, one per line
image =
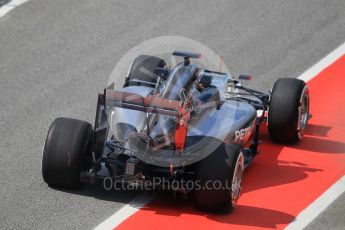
column 68, row 142
column 142, row 71
column 288, row 112
column 219, row 176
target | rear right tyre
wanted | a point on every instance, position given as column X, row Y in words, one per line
column 219, row 176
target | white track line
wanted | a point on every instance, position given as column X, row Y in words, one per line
column 125, row 212
column 331, row 194
column 10, row 6
column 323, row 63
column 303, row 219
column 315, row 208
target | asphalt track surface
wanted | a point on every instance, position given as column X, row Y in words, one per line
column 56, row 55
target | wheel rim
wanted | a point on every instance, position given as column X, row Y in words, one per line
column 303, row 114
column 237, row 179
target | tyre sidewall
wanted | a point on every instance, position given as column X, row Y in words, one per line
column 218, row 166
column 64, row 152
column 283, row 114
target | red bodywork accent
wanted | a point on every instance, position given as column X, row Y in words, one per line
column 181, row 127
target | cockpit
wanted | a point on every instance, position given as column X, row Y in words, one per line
column 180, row 78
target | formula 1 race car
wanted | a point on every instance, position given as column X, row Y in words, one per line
column 184, row 123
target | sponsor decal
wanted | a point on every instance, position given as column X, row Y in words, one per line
column 243, row 135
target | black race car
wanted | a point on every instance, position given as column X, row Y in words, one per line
column 180, row 124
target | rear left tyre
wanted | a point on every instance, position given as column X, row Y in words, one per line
column 67, row 144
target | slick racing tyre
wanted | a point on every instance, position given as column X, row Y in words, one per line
column 142, row 70
column 288, row 112
column 219, row 176
column 68, row 142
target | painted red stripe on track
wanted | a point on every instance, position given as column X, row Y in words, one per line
column 282, row 181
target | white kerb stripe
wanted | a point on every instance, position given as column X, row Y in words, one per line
column 10, row 6
column 315, row 209
column 331, row 194
column 125, row 212
column 322, row 64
